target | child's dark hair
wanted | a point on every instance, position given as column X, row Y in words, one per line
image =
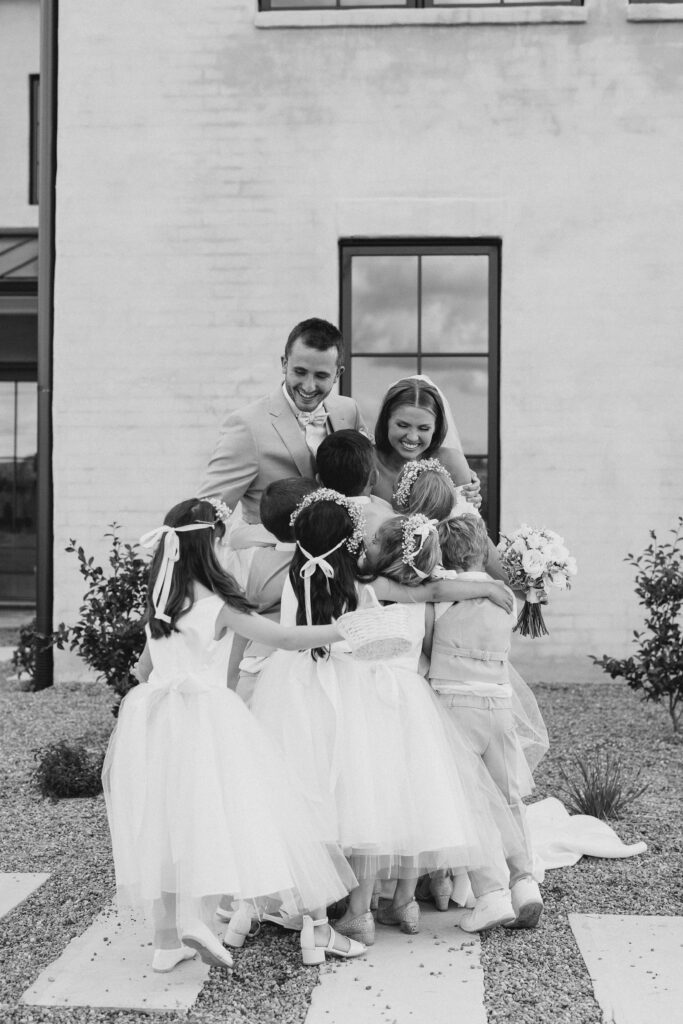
column 279, row 500
column 464, row 542
column 197, row 563
column 431, row 494
column 345, row 461
column 416, row 393
column 317, row 529
column 389, row 562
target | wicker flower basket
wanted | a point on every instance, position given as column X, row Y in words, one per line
column 376, row 633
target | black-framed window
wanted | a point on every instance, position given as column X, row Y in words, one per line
column 33, row 137
column 18, row 415
column 432, row 307
column 305, row 5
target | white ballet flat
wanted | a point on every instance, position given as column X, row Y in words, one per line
column 239, row 927
column 202, row 939
column 312, row 954
column 164, row 960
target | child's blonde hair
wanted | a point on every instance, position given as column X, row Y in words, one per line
column 425, row 486
column 391, row 562
column 464, row 542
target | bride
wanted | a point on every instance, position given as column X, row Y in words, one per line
column 414, row 422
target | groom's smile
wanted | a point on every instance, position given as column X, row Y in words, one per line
column 310, row 374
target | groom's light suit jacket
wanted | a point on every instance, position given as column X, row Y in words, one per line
column 262, row 443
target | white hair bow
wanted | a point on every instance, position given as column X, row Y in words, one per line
column 313, row 563
column 162, row 585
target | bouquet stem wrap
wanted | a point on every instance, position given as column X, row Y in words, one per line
column 530, row 621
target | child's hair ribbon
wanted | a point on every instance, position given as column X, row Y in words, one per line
column 171, row 554
column 311, row 565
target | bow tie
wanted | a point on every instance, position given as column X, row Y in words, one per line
column 312, row 419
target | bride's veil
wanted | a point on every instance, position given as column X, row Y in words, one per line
column 452, row 438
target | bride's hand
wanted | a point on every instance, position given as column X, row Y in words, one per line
column 501, row 595
column 472, row 491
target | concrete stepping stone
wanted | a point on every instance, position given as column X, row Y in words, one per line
column 16, row 886
column 109, row 966
column 435, row 976
column 635, row 965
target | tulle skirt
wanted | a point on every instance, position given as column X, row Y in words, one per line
column 200, row 804
column 386, row 775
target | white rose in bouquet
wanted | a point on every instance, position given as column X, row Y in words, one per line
column 533, row 564
column 559, row 580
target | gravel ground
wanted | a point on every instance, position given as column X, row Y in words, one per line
column 530, row 977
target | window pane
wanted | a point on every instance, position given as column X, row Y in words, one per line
column 278, row 5
column 371, row 380
column 464, row 382
column 373, row 3
column 18, row 439
column 455, row 303
column 384, row 304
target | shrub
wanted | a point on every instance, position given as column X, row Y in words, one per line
column 599, row 786
column 109, row 634
column 656, row 669
column 68, row 770
column 31, row 643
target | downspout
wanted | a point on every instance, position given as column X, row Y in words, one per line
column 49, row 12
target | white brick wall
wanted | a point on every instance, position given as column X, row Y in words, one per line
column 206, row 172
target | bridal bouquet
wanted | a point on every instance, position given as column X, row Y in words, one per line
column 534, row 561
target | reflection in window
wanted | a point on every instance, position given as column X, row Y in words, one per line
column 428, row 308
column 18, row 443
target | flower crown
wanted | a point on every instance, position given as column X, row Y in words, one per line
column 223, row 513
column 409, row 475
column 353, row 542
column 416, row 529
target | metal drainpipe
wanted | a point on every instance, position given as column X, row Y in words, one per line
column 49, row 11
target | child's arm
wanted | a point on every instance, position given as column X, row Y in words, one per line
column 143, row 666
column 444, row 590
column 264, row 631
column 251, row 535
column 429, row 631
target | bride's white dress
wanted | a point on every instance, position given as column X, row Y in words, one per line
column 373, row 753
column 199, row 801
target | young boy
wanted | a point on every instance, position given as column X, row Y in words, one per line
column 268, row 572
column 469, row 671
column 346, row 463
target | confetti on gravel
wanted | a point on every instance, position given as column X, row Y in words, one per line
column 530, row 977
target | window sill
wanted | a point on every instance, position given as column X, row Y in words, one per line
column 539, row 14
column 654, row 12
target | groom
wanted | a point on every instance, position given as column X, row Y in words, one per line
column 277, row 436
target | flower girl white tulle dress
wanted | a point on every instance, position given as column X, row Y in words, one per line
column 198, row 797
column 387, row 776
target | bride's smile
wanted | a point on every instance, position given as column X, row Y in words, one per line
column 410, row 430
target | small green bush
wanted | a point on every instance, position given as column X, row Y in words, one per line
column 656, row 669
column 598, row 786
column 67, row 769
column 109, row 634
column 31, row 643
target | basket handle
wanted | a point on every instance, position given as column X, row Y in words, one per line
column 368, row 597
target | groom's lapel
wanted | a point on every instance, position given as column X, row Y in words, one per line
column 285, row 424
column 341, row 415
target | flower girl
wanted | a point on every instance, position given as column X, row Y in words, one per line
column 367, row 739
column 198, row 801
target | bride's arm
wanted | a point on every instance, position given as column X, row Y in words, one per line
column 444, row 590
column 464, row 477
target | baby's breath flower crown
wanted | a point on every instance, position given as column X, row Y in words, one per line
column 409, row 475
column 353, row 542
column 416, row 529
column 223, row 513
